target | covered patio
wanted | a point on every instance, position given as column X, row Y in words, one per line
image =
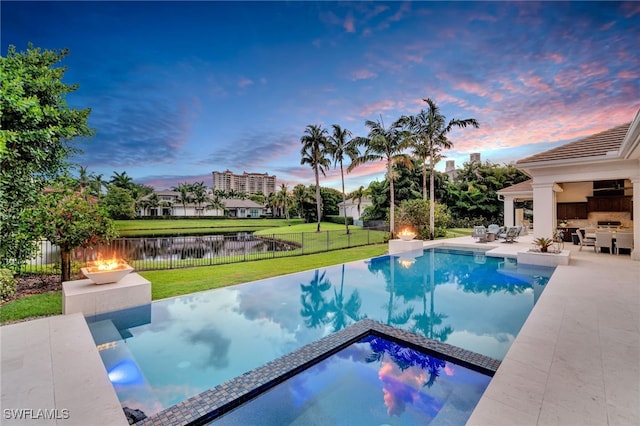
column 592, row 182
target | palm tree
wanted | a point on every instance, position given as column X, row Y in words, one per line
column 338, row 147
column 283, row 199
column 314, row 151
column 386, row 144
column 121, row 180
column 83, row 179
column 429, row 135
column 184, row 197
column 301, row 196
column 357, row 196
column 96, row 184
column 215, row 202
column 153, row 201
column 198, row 194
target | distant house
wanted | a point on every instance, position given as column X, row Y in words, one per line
column 242, row 208
column 351, row 207
column 167, row 203
column 594, row 181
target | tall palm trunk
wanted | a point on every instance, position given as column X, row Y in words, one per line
column 392, row 216
column 432, row 203
column 344, row 198
column 424, row 180
column 318, row 210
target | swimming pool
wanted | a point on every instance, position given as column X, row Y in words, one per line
column 388, row 384
column 160, row 354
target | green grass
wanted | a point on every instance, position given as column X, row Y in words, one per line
column 176, row 282
column 458, row 232
column 37, row 305
column 137, row 228
column 184, row 281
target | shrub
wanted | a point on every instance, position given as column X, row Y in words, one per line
column 338, row 219
column 415, row 213
column 7, row 285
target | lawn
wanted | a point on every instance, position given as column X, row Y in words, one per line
column 139, row 228
column 177, row 282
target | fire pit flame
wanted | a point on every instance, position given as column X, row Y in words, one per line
column 106, row 271
column 406, row 234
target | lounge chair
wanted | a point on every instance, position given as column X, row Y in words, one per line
column 584, row 241
column 480, row 234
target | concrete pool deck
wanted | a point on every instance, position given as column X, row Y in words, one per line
column 575, row 361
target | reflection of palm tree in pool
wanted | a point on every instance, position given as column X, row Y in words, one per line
column 343, row 311
column 427, row 322
column 392, row 318
column 315, row 308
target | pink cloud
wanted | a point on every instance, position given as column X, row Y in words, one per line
column 379, row 106
column 349, row 24
column 362, row 74
column 244, row 82
column 628, row 74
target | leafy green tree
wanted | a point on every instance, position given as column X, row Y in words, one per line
column 314, row 152
column 119, row 203
column 330, row 201
column 429, row 131
column 258, row 198
column 302, row 200
column 71, row 220
column 386, row 144
column 338, row 147
column 474, row 192
column 37, row 130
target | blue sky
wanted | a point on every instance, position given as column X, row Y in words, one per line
column 180, row 89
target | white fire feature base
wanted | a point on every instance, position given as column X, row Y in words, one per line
column 398, row 246
column 91, row 299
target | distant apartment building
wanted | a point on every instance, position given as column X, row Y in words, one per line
column 250, row 183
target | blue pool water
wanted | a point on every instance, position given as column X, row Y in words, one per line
column 160, row 354
column 372, row 382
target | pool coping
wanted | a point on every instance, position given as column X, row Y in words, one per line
column 211, row 404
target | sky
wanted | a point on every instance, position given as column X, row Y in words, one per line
column 178, row 90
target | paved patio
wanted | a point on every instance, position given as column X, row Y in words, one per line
column 576, row 360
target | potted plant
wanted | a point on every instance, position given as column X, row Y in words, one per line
column 543, row 243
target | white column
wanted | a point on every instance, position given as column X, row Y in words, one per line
column 635, row 253
column 544, row 210
column 509, row 219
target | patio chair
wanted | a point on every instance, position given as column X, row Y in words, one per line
column 624, row 240
column 493, row 228
column 512, row 234
column 584, row 241
column 603, row 240
column 480, row 234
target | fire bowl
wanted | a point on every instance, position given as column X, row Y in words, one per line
column 107, row 276
column 406, row 236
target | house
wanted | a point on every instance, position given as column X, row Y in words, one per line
column 242, row 208
column 592, row 181
column 353, row 209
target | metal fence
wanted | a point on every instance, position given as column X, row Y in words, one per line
column 157, row 253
